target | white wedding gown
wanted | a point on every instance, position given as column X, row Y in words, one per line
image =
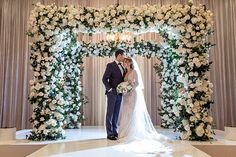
column 136, row 129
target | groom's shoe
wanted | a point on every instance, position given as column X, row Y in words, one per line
column 112, row 138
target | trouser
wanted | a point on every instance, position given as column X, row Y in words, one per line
column 112, row 115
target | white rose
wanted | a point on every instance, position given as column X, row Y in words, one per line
column 187, row 35
column 42, row 127
column 165, row 117
column 193, row 118
column 198, row 115
column 54, row 102
column 185, row 122
column 45, row 131
column 47, row 111
column 194, row 110
column 33, row 116
column 187, row 127
column 202, row 26
column 63, row 9
column 193, row 11
column 200, row 130
column 209, row 119
column 184, row 136
column 40, row 94
column 42, row 119
column 188, row 110
column 194, row 20
column 193, row 33
column 176, row 112
column 31, row 82
column 191, row 94
column 189, row 45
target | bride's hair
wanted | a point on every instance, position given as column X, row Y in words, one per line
column 131, row 62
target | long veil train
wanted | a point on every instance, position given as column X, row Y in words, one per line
column 142, row 136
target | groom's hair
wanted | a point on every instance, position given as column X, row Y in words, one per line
column 119, row 52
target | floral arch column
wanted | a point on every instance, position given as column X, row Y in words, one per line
column 56, row 60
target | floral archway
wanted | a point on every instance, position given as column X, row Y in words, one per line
column 56, row 58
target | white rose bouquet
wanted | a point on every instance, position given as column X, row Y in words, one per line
column 124, row 87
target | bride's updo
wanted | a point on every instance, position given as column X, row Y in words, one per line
column 130, row 61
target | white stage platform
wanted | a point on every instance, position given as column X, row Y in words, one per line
column 91, row 141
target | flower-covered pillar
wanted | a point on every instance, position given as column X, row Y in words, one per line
column 194, row 98
column 47, row 94
column 56, row 86
column 72, row 85
column 168, row 72
column 195, row 89
column 185, row 87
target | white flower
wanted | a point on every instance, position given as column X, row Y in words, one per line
column 176, row 111
column 61, row 102
column 191, row 94
column 196, row 62
column 209, row 119
column 59, row 116
column 124, row 87
column 187, row 127
column 47, row 111
column 185, row 122
column 188, row 110
column 41, row 38
column 202, row 26
column 193, row 11
column 46, row 131
column 165, row 117
column 200, row 130
column 40, row 94
column 193, row 118
column 52, row 122
column 31, row 82
column 195, row 110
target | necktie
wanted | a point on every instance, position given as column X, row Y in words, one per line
column 121, row 68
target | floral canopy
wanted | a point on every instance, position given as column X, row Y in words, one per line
column 56, row 58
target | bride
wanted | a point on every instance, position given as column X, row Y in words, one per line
column 135, row 122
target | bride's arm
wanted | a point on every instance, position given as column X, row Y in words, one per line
column 135, row 82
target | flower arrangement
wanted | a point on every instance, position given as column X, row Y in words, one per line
column 185, row 88
column 124, row 87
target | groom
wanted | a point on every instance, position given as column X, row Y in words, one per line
column 114, row 75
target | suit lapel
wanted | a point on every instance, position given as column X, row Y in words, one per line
column 117, row 67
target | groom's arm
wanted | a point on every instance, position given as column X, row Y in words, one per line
column 106, row 76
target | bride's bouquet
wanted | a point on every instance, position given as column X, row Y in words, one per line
column 124, row 87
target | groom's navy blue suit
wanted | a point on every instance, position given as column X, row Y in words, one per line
column 111, row 78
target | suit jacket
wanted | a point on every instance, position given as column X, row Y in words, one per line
column 112, row 77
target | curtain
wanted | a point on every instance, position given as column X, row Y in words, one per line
column 15, row 72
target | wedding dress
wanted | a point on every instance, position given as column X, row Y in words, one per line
column 136, row 128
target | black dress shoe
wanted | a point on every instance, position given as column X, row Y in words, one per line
column 112, row 138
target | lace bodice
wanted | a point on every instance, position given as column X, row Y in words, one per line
column 132, row 77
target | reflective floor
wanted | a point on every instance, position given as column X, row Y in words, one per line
column 91, row 141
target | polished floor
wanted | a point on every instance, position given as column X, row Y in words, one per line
column 91, row 141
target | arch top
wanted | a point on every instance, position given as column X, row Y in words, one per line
column 118, row 18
